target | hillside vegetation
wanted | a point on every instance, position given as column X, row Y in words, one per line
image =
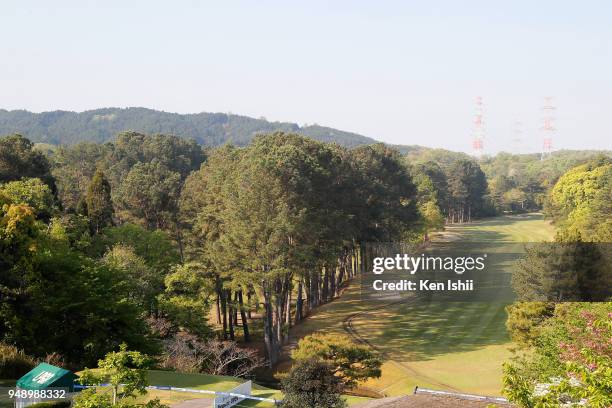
column 208, row 129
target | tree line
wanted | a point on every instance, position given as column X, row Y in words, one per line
column 284, row 219
column 453, row 187
column 136, row 241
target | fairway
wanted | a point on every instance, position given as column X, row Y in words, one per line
column 507, row 228
column 456, row 346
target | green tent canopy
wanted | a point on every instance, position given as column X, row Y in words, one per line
column 47, row 376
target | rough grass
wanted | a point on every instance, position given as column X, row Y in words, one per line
column 14, row 362
column 452, row 346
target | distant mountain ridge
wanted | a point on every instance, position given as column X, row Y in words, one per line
column 208, row 129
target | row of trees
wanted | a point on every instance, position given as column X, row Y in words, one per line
column 522, row 182
column 284, row 219
column 455, row 186
column 453, row 192
column 134, row 241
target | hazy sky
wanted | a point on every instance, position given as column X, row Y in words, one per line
column 402, row 72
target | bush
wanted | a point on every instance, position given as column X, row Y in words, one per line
column 89, row 398
column 349, row 362
column 14, row 362
column 55, row 359
column 570, row 364
column 187, row 353
column 311, row 383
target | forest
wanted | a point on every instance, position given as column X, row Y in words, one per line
column 208, row 129
column 157, row 242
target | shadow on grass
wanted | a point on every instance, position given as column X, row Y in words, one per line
column 196, row 381
column 423, row 330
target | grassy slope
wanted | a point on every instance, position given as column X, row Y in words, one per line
column 441, row 346
column 200, row 382
column 206, row 382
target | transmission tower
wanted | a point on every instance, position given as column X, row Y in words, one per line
column 548, row 127
column 478, row 130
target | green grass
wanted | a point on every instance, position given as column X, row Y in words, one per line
column 507, row 228
column 198, row 382
column 452, row 346
column 207, row 382
column 444, row 345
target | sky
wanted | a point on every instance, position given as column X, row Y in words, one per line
column 404, row 72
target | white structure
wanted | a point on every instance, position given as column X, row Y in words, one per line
column 233, row 396
column 478, row 130
column 548, row 127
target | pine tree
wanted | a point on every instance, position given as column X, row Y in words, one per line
column 99, row 204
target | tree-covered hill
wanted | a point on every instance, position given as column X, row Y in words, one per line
column 208, row 129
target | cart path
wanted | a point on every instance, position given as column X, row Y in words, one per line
column 195, row 403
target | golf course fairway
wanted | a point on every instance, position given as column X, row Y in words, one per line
column 455, row 346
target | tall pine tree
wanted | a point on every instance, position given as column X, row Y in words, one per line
column 99, row 204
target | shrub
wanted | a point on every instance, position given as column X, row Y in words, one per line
column 14, row 362
column 570, row 364
column 55, row 359
column 311, row 383
column 349, row 362
column 186, row 353
column 89, row 398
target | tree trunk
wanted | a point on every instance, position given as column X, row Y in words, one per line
column 308, row 289
column 312, row 292
column 268, row 318
column 224, row 314
column 218, row 309
column 243, row 317
column 235, row 308
column 288, row 310
column 325, row 289
column 230, row 315
column 278, row 311
column 332, row 283
column 249, row 302
column 298, row 303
